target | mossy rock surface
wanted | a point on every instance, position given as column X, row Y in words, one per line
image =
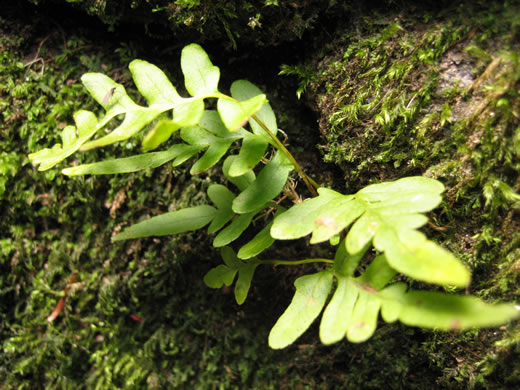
column 138, row 315
column 233, row 24
column 435, row 92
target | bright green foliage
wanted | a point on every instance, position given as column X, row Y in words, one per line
column 268, row 184
column 72, row 139
column 260, row 242
column 224, row 274
column 160, row 133
column 242, row 181
column 234, row 112
column 222, row 198
column 208, row 131
column 112, row 96
column 188, row 331
column 324, row 216
column 200, row 75
column 252, row 150
column 180, row 221
column 311, row 293
column 231, row 232
column 243, row 90
column 129, row 164
column 201, row 79
column 385, row 216
column 210, row 136
column 354, row 307
column 447, row 312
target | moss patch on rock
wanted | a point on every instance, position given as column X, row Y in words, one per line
column 231, row 23
column 435, row 92
column 138, row 316
column 135, row 314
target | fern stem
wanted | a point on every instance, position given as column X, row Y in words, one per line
column 311, row 184
column 296, row 262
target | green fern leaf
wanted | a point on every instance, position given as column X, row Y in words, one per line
column 308, row 301
column 72, row 139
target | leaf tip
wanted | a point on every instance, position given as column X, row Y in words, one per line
column 275, row 341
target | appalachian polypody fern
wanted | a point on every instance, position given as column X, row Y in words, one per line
column 384, row 216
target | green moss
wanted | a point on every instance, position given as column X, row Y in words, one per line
column 138, row 314
column 229, row 23
column 53, row 227
column 439, row 98
column 401, row 120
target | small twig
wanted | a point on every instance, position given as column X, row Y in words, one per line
column 37, row 57
column 438, row 228
column 485, row 75
column 490, row 98
column 61, row 303
column 40, row 46
column 411, row 101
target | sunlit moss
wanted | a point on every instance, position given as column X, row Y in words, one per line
column 392, row 69
column 439, row 98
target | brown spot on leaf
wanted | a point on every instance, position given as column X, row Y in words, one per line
column 369, row 288
column 326, row 222
column 455, row 324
